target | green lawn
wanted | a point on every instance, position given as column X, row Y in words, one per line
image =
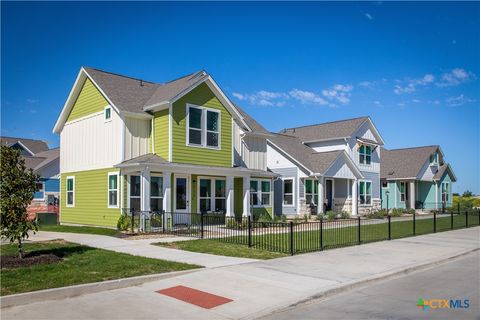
column 222, row 249
column 266, row 245
column 81, row 264
column 80, row 229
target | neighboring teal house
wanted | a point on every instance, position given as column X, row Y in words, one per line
column 179, row 146
column 416, row 178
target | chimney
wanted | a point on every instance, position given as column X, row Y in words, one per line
column 141, row 83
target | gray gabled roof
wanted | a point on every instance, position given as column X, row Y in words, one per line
column 327, row 131
column 251, row 123
column 148, row 158
column 42, row 159
column 441, row 171
column 404, row 163
column 33, row 145
column 316, row 162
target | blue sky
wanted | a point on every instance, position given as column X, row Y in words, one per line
column 413, row 67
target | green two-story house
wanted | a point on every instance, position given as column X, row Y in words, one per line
column 179, row 146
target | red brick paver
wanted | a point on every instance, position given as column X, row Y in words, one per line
column 199, row 298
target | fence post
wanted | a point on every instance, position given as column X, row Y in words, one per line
column 201, row 224
column 321, row 233
column 389, row 227
column 466, row 218
column 458, row 207
column 451, row 219
column 359, row 235
column 249, row 224
column 414, row 231
column 434, row 221
column 291, row 238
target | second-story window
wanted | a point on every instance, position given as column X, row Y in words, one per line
column 107, row 112
column 203, row 127
column 365, row 154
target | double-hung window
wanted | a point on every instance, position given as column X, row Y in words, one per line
column 445, row 191
column 365, row 192
column 403, row 195
column 156, row 193
column 135, row 192
column 365, row 154
column 70, row 191
column 113, row 189
column 288, row 192
column 212, row 195
column 203, row 127
column 260, row 193
column 311, row 191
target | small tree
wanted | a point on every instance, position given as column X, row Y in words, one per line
column 17, row 185
column 467, row 194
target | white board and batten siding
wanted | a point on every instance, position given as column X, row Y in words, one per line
column 249, row 151
column 340, row 169
column 364, row 132
column 91, row 143
column 137, row 133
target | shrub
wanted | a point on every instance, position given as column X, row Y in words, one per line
column 296, row 220
column 280, row 218
column 124, row 223
column 397, row 212
column 409, row 211
column 235, row 224
column 344, row 215
column 331, row 215
column 378, row 214
column 264, row 219
column 305, row 218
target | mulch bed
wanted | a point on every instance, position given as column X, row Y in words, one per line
column 13, row 261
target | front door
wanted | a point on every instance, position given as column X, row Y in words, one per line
column 329, row 194
column 182, row 196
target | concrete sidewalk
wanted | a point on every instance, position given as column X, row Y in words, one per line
column 262, row 287
column 141, row 248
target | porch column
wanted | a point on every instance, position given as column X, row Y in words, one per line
column 321, row 196
column 145, row 189
column 354, row 197
column 144, row 195
column 229, row 190
column 436, row 194
column 167, row 191
column 412, row 194
column 246, row 196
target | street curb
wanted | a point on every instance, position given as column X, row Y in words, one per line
column 77, row 290
column 347, row 286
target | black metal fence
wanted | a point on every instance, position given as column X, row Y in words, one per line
column 299, row 237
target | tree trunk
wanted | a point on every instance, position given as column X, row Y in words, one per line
column 20, row 248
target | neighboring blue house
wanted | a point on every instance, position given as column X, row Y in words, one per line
column 416, row 178
column 44, row 162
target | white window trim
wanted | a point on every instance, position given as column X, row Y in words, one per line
column 105, row 114
column 293, row 192
column 259, row 193
column 371, row 192
column 404, row 191
column 66, row 192
column 445, row 186
column 156, row 175
column 212, row 190
column 314, row 195
column 128, row 189
column 203, row 127
column 108, row 190
column 365, row 155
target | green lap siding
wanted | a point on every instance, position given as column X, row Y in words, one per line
column 201, row 96
column 161, row 135
column 91, row 196
column 89, row 101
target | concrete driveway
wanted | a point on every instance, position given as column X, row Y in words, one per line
column 259, row 288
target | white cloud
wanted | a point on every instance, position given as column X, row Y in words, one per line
column 458, row 101
column 416, row 101
column 263, row 98
column 377, row 103
column 32, row 101
column 412, row 84
column 369, row 16
column 339, row 92
column 367, row 84
column 239, row 96
column 307, row 97
column 455, row 77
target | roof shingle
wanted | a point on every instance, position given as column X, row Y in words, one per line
column 33, row 145
column 404, row 163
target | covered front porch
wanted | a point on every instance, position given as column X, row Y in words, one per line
column 153, row 185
